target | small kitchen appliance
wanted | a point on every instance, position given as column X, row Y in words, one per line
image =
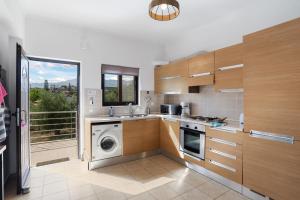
column 170, row 109
column 185, row 109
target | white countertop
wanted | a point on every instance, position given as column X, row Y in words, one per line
column 231, row 125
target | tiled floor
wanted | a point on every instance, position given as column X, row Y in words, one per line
column 47, row 151
column 153, row 178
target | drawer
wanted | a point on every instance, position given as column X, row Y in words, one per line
column 194, row 160
column 230, row 136
column 224, row 146
column 224, row 158
column 223, row 170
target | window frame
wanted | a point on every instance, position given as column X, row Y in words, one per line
column 120, row 100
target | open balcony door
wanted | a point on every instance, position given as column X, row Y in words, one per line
column 22, row 121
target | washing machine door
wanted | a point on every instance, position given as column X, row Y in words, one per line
column 107, row 143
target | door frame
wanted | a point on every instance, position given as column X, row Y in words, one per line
column 77, row 63
column 19, row 52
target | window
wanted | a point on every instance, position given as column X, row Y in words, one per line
column 119, row 85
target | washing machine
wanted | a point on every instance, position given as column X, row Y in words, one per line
column 107, row 140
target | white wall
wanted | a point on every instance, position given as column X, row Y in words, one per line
column 230, row 30
column 11, row 32
column 53, row 40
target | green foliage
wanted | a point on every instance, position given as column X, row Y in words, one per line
column 111, row 94
column 46, row 101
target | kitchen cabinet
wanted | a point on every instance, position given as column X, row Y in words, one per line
column 224, row 153
column 133, row 137
column 169, row 136
column 271, row 167
column 229, row 68
column 201, row 70
column 151, row 134
column 272, row 80
column 171, row 78
column 140, row 136
column 271, row 149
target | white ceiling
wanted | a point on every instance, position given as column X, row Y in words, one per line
column 130, row 17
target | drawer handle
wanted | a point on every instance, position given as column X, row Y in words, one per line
column 222, row 154
column 170, row 77
column 231, row 67
column 201, row 74
column 271, row 136
column 222, row 141
column 222, row 165
column 224, row 130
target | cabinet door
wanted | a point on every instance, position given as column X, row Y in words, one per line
column 272, row 80
column 229, row 67
column 171, row 78
column 133, row 137
column 201, row 70
column 169, row 137
column 272, row 168
column 151, row 135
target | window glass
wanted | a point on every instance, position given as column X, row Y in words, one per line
column 128, row 89
column 111, row 88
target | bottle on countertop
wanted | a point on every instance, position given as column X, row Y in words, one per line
column 111, row 111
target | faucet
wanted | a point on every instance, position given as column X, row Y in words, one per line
column 111, row 112
column 131, row 111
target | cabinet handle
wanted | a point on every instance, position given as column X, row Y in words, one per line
column 202, row 74
column 222, row 141
column 231, row 67
column 222, row 165
column 222, row 154
column 273, row 137
column 170, row 77
column 224, row 130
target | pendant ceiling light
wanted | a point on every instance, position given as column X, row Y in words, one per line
column 164, row 10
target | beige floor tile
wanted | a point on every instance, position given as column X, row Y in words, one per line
column 53, row 188
column 195, row 194
column 180, row 187
column 232, row 195
column 37, row 182
column 111, row 195
column 164, row 192
column 52, row 178
column 81, row 192
column 35, row 194
column 143, row 196
column 58, row 196
column 213, row 189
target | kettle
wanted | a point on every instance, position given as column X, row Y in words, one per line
column 185, row 109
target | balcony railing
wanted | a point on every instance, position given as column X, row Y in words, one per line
column 53, row 126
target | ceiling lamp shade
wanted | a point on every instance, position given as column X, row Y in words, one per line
column 164, row 10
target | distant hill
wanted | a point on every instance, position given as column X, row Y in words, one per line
column 73, row 82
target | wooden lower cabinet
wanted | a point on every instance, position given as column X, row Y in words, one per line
column 272, row 168
column 151, row 134
column 169, row 137
column 223, row 154
column 140, row 136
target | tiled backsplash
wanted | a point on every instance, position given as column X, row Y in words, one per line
column 97, row 109
column 211, row 103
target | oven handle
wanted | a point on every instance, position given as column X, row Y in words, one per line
column 192, row 131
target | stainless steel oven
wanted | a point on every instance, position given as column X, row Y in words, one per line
column 192, row 139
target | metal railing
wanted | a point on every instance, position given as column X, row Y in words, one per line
column 53, row 126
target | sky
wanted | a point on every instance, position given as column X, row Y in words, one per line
column 53, row 72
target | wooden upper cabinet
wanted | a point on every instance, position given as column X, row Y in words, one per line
column 171, row 78
column 272, row 80
column 229, row 67
column 201, row 70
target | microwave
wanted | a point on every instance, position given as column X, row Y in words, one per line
column 170, row 109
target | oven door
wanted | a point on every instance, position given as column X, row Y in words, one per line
column 192, row 142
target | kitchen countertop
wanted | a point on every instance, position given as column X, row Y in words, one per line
column 231, row 125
